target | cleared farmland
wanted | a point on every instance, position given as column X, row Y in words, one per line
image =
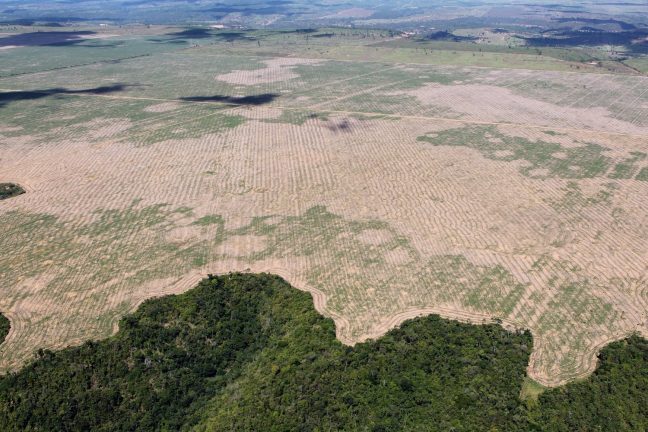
column 387, row 190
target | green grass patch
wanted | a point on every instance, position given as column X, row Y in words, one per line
column 297, row 117
column 177, row 128
column 209, row 220
column 627, row 168
column 333, row 240
column 574, row 198
column 544, row 159
column 531, row 391
column 643, row 174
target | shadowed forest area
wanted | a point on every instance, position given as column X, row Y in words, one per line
column 5, row 325
column 249, row 352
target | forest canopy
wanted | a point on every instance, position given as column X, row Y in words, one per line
column 249, row 352
column 10, row 190
column 5, row 325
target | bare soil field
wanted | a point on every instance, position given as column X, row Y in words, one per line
column 489, row 103
column 387, row 191
column 278, row 69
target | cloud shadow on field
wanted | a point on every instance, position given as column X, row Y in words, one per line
column 20, row 95
column 191, row 33
column 341, row 126
column 231, row 36
column 47, row 38
column 204, row 33
column 260, row 99
column 635, row 41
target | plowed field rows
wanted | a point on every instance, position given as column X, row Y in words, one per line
column 386, row 190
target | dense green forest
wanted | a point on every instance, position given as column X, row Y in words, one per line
column 10, row 190
column 249, row 352
column 4, row 327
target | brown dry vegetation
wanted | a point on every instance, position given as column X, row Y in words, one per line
column 480, row 202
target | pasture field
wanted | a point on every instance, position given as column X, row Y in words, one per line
column 506, row 190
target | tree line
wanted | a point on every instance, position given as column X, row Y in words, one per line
column 249, row 352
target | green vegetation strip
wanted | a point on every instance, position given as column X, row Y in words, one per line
column 248, row 352
column 10, row 190
column 543, row 159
